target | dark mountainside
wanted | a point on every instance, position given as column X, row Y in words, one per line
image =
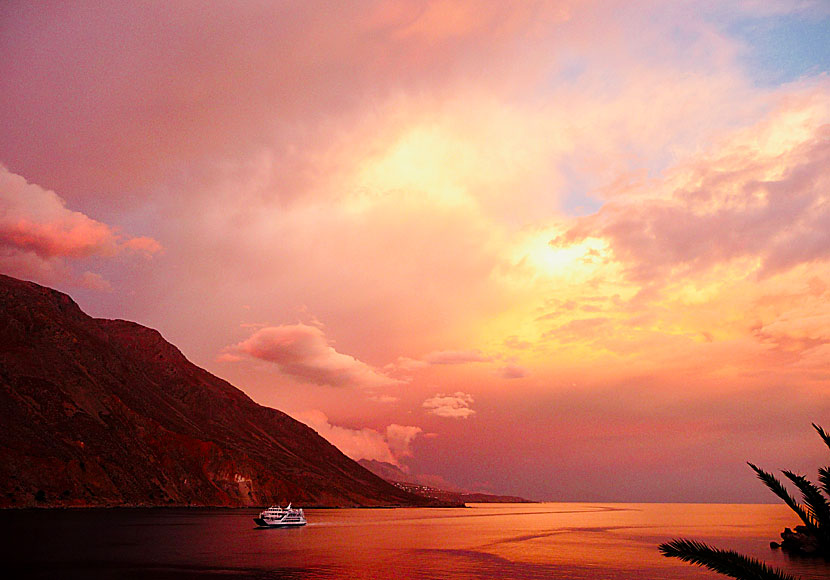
column 101, row 412
column 416, row 485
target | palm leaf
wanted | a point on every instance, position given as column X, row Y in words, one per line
column 824, row 472
column 824, row 478
column 817, row 506
column 778, row 489
column 725, row 562
column 824, row 435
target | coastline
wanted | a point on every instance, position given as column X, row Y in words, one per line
column 128, row 507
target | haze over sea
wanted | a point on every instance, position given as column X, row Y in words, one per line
column 519, row 541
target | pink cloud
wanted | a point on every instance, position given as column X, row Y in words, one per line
column 143, row 244
column 213, row 93
column 38, row 232
column 36, row 220
column 303, row 352
column 453, row 406
column 389, row 446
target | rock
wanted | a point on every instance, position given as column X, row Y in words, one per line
column 801, row 542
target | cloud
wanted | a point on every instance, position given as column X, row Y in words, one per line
column 802, row 321
column 143, row 245
column 761, row 195
column 400, row 437
column 384, row 399
column 514, row 342
column 513, row 372
column 214, row 94
column 455, row 405
column 764, row 8
column 38, row 233
column 405, row 363
column 36, row 220
column 95, row 281
column 364, row 443
column 439, row 357
column 303, row 352
column 385, row 163
column 455, row 357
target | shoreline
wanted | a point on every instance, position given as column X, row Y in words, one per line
column 214, row 507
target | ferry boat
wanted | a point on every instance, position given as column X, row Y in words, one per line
column 277, row 517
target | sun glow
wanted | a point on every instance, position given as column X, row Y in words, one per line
column 425, row 164
column 560, row 260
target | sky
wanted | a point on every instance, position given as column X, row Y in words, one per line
column 569, row 250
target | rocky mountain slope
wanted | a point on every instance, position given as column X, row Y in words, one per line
column 107, row 413
column 420, row 486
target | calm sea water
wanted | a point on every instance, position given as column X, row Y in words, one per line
column 520, row 541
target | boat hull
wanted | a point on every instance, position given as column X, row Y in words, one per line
column 264, row 524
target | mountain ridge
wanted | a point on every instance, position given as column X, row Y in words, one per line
column 100, row 412
column 425, row 487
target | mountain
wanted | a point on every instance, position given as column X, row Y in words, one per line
column 101, row 412
column 425, row 487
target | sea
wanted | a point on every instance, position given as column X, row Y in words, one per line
column 506, row 541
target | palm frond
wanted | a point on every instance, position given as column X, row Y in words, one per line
column 816, row 504
column 824, row 435
column 778, row 489
column 725, row 562
column 824, row 478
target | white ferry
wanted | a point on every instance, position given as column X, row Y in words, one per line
column 277, row 517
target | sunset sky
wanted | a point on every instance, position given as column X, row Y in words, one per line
column 571, row 250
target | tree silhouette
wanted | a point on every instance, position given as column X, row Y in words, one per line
column 812, row 538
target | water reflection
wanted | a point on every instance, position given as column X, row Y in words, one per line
column 522, row 541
